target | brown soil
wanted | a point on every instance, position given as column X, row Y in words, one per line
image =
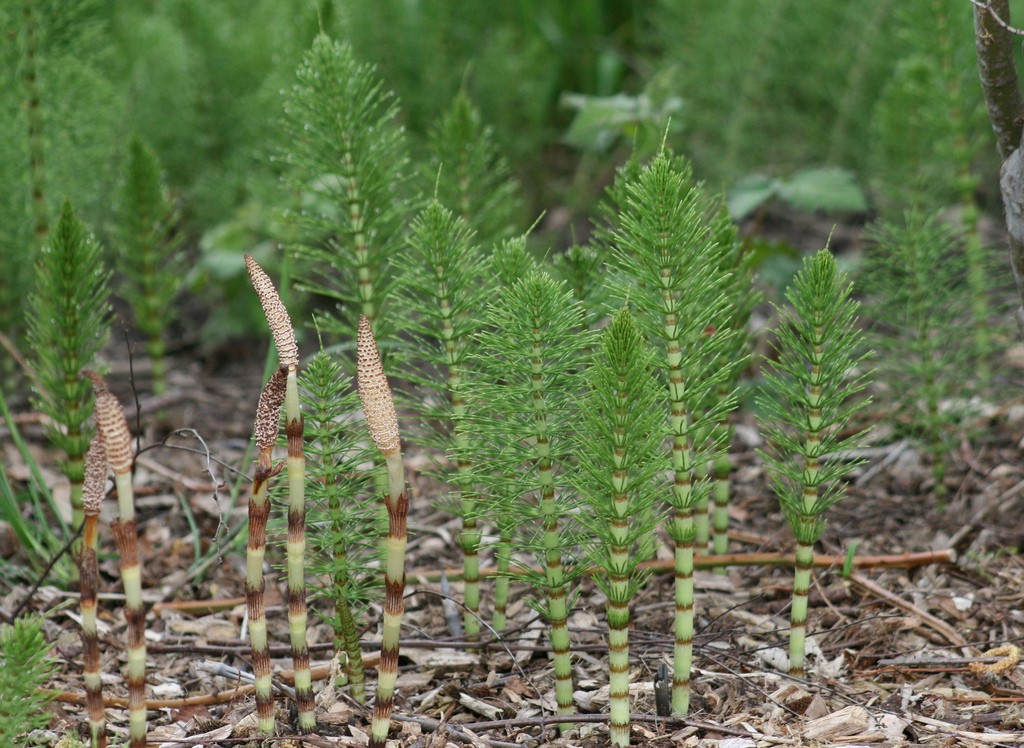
column 894, row 650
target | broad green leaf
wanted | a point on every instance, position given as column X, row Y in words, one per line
column 749, row 194
column 827, row 189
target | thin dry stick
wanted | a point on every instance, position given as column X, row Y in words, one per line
column 93, row 489
column 320, row 672
column 268, row 414
column 379, row 409
column 288, row 355
column 947, row 632
column 117, row 443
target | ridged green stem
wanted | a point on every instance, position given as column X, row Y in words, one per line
column 684, row 528
column 297, row 613
column 618, row 666
column 347, row 640
column 554, row 572
column 469, row 539
column 619, row 590
column 503, row 563
column 346, row 635
column 684, row 532
column 157, row 349
column 798, row 613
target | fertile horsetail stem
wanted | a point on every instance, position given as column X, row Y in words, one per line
column 117, row 444
column 93, row 489
column 288, row 355
column 268, row 413
column 379, row 410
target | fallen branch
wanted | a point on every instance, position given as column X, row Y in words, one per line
column 220, row 697
column 937, row 625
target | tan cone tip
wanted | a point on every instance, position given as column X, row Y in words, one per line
column 275, row 312
column 112, row 426
column 95, row 483
column 268, row 410
column 378, row 404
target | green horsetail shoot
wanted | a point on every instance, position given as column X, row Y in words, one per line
column 807, row 405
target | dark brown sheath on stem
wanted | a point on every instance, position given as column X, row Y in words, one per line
column 379, row 409
column 288, row 355
column 113, row 432
column 268, row 413
column 93, row 489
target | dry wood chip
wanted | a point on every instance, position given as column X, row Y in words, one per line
column 488, row 711
column 938, row 727
column 219, row 733
column 443, row 659
column 736, row 743
column 415, row 681
column 851, row 720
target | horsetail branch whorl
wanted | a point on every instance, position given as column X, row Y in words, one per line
column 378, row 404
column 276, row 314
column 268, row 410
column 95, row 477
column 112, row 426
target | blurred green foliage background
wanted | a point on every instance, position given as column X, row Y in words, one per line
column 853, row 107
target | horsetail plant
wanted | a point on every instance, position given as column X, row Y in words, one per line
column 346, row 157
column 738, row 268
column 445, row 288
column 382, row 421
column 531, row 349
column 343, row 549
column 265, row 433
column 669, row 260
column 288, row 356
column 476, row 183
column 34, row 120
column 806, row 407
column 582, row 267
column 27, row 667
column 67, row 320
column 915, row 279
column 510, row 261
column 621, row 460
column 148, row 249
column 93, row 490
column 117, row 445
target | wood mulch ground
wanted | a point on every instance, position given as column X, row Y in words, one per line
column 898, row 656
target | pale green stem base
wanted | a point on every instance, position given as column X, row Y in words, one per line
column 798, row 613
column 683, row 651
column 618, row 669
